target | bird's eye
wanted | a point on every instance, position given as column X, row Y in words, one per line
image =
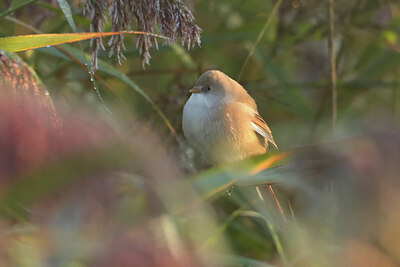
column 208, row 88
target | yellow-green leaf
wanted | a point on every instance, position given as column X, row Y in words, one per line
column 27, row 42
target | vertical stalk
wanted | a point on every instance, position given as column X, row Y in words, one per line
column 333, row 63
column 271, row 190
column 395, row 95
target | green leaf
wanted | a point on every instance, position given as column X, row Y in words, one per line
column 27, row 42
column 243, row 173
column 66, row 9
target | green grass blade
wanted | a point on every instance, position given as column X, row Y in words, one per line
column 66, row 9
column 215, row 180
column 33, row 41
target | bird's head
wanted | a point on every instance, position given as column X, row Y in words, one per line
column 216, row 88
column 215, row 85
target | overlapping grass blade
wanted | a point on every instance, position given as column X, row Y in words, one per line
column 244, row 173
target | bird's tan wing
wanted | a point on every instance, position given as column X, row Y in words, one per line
column 260, row 126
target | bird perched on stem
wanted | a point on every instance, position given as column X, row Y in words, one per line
column 221, row 121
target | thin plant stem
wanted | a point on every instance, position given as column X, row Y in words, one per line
column 17, row 21
column 292, row 212
column 260, row 35
column 259, row 193
column 394, row 96
column 332, row 62
column 271, row 190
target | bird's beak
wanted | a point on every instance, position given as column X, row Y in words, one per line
column 194, row 90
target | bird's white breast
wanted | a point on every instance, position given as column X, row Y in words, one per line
column 197, row 113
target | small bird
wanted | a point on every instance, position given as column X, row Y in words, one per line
column 221, row 121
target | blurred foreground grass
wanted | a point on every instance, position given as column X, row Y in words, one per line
column 82, row 189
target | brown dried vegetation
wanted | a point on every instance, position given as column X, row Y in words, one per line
column 173, row 19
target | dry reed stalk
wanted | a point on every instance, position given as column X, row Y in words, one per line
column 173, row 19
column 332, row 62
